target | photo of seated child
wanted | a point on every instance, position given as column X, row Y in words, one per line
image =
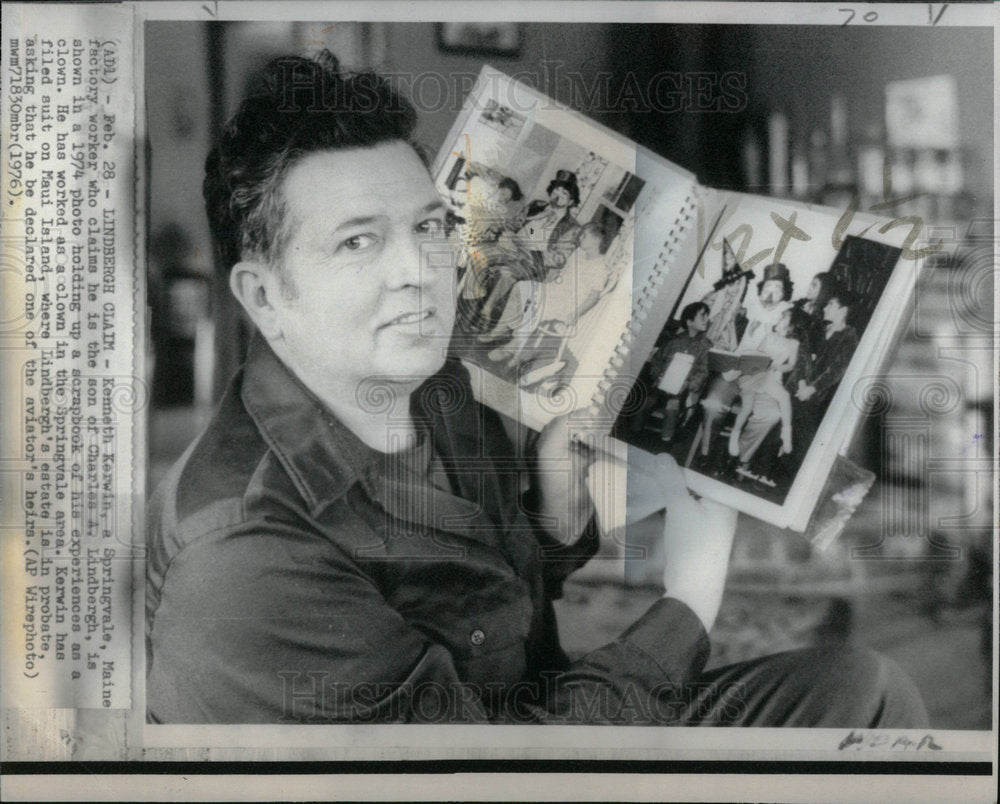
column 694, row 345
column 662, row 406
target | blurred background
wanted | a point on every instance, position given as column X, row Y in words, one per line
column 823, row 114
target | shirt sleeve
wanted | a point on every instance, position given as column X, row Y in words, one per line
column 558, row 253
column 254, row 626
column 645, row 677
column 260, row 626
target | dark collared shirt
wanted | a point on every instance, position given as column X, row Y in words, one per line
column 832, row 358
column 296, row 575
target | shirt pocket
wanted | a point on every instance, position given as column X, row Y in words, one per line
column 482, row 618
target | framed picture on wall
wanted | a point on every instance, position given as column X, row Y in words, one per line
column 481, row 38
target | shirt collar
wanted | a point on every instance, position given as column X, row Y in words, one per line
column 321, row 455
column 324, row 459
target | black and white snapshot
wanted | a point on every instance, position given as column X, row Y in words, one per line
column 429, row 268
column 410, row 393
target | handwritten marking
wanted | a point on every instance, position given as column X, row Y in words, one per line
column 870, row 16
column 861, row 741
column 930, row 13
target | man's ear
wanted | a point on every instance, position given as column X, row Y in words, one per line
column 255, row 287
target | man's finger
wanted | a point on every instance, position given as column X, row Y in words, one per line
column 670, row 477
column 718, row 513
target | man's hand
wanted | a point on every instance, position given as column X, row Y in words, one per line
column 731, row 375
column 562, row 474
column 697, row 539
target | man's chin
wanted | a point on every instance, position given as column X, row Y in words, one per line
column 412, row 366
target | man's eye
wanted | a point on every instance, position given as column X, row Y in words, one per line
column 434, row 227
column 358, row 242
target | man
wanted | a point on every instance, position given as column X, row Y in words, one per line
column 552, row 308
column 833, row 353
column 586, row 278
column 764, row 402
column 543, row 238
column 348, row 540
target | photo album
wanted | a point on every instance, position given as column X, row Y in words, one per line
column 597, row 280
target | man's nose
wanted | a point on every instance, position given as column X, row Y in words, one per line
column 418, row 262
column 403, row 262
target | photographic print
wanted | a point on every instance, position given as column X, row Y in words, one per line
column 746, row 366
column 406, row 403
column 544, row 263
column 548, row 220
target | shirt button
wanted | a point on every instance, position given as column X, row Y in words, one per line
column 477, row 637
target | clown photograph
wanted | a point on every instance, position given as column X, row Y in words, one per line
column 748, row 363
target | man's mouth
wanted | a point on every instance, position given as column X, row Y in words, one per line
column 406, row 319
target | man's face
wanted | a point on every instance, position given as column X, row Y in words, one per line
column 364, row 301
column 559, row 197
column 772, row 292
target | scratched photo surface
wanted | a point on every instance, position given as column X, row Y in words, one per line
column 539, row 279
column 851, row 115
column 712, row 121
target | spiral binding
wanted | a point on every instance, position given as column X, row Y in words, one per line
column 640, row 309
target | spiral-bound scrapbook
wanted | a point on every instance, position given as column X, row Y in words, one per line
column 600, row 281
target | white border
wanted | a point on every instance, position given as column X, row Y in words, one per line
column 586, row 786
column 609, row 11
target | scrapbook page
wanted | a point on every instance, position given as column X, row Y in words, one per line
column 562, row 223
column 595, row 292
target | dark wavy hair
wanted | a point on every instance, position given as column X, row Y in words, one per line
column 826, row 286
column 843, row 295
column 569, row 187
column 691, row 310
column 513, row 186
column 301, row 106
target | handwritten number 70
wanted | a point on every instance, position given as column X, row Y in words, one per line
column 871, row 16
